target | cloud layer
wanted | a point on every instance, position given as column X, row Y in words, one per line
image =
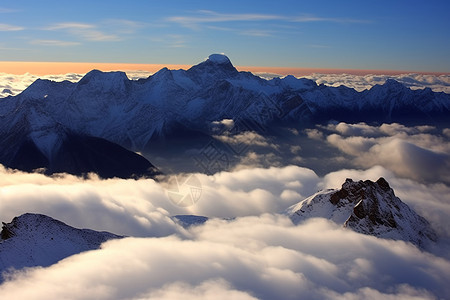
column 420, row 153
column 258, row 254
column 263, row 257
column 438, row 83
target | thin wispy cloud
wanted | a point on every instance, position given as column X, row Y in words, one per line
column 54, row 43
column 176, row 41
column 206, row 16
column 312, row 18
column 257, row 33
column 8, row 27
column 3, row 47
column 247, row 32
column 318, row 46
column 124, row 26
column 89, row 32
column 4, row 10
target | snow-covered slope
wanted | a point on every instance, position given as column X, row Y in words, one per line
column 366, row 207
column 38, row 240
column 133, row 114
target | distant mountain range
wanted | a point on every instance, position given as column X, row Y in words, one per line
column 98, row 123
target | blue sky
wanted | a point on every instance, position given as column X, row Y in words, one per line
column 391, row 35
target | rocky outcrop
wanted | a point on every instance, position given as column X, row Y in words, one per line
column 367, row 207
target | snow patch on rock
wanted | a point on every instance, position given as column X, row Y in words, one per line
column 219, row 59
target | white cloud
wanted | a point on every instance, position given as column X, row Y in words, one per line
column 206, row 16
column 312, row 18
column 314, row 134
column 258, row 32
column 263, row 257
column 438, row 83
column 249, row 138
column 8, row 27
column 259, row 254
column 11, row 84
column 54, row 43
column 4, row 10
column 209, row 289
column 85, row 31
column 252, row 159
column 225, row 124
column 419, row 153
column 446, row 132
column 124, row 26
column 143, row 206
column 354, row 145
column 14, row 84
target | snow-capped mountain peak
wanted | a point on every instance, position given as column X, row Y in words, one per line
column 133, row 114
column 219, row 59
column 366, row 207
column 38, row 240
column 215, row 68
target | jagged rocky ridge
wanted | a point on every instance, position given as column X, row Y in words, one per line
column 367, row 207
column 137, row 115
column 38, row 240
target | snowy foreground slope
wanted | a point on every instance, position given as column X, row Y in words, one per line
column 367, row 207
column 50, row 121
column 38, row 240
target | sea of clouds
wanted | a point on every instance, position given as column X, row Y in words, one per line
column 421, row 153
column 438, row 83
column 248, row 249
column 11, row 85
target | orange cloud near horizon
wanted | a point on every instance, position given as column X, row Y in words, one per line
column 55, row 68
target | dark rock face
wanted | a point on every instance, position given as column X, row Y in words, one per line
column 370, row 208
column 378, row 211
column 7, row 232
column 80, row 155
column 27, row 158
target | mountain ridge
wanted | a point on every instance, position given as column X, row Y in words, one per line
column 135, row 114
column 366, row 207
column 31, row 240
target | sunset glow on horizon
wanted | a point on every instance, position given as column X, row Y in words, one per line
column 56, row 68
column 288, row 37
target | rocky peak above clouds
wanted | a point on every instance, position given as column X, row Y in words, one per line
column 367, row 207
